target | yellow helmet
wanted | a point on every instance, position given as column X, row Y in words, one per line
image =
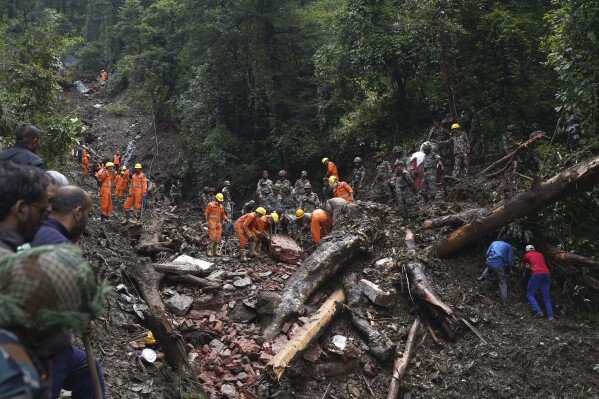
column 455, row 126
column 137, row 166
column 275, row 217
column 299, row 213
column 88, row 155
column 324, row 160
column 261, row 211
column 109, row 164
column 332, row 180
column 220, row 197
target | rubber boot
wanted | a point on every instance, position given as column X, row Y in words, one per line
column 210, row 246
column 125, row 218
column 242, row 255
column 252, row 249
column 257, row 248
column 217, row 249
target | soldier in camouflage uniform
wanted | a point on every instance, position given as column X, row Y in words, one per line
column 405, row 190
column 429, row 183
column 264, row 188
column 400, row 155
column 310, row 200
column 461, row 149
column 282, row 182
column 532, row 160
column 274, row 199
column 289, row 201
column 382, row 178
column 358, row 176
column 299, row 185
column 508, row 141
column 440, row 135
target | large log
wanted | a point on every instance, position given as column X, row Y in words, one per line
column 511, row 155
column 380, row 347
column 151, row 243
column 573, row 180
column 400, row 366
column 455, row 220
column 353, row 233
column 172, row 344
column 308, row 332
column 570, row 258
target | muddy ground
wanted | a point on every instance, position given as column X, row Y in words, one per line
column 516, row 356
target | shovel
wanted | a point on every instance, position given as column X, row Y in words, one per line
column 91, row 364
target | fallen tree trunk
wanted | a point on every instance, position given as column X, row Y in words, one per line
column 400, row 366
column 353, row 234
column 573, row 180
column 455, row 220
column 380, row 347
column 171, row 343
column 150, row 242
column 308, row 332
column 207, row 285
column 571, row 259
column 511, row 155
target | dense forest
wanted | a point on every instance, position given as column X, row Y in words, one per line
column 260, row 84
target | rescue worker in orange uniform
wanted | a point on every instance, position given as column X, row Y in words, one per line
column 117, row 160
column 113, row 175
column 125, row 178
column 137, row 190
column 85, row 163
column 215, row 213
column 320, row 223
column 331, row 168
column 103, row 75
column 246, row 229
column 341, row 189
column 261, row 224
column 104, row 177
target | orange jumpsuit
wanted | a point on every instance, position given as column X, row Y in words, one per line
column 332, row 170
column 103, row 76
column 246, row 227
column 319, row 224
column 104, row 178
column 343, row 190
column 121, row 183
column 113, row 178
column 137, row 189
column 85, row 164
column 214, row 214
column 116, row 161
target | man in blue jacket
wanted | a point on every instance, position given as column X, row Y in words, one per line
column 499, row 256
column 27, row 142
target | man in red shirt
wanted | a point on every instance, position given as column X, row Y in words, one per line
column 539, row 281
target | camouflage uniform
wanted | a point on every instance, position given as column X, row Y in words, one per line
column 531, row 159
column 299, row 188
column 381, row 182
column 289, row 203
column 405, row 193
column 440, row 136
column 227, row 203
column 284, row 183
column 309, row 202
column 263, row 189
column 461, row 148
column 358, row 178
column 429, row 186
column 508, row 141
column 274, row 202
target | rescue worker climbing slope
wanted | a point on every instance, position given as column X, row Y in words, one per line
column 137, row 190
column 104, row 177
column 85, row 164
column 215, row 214
column 331, row 168
column 341, row 189
column 247, row 229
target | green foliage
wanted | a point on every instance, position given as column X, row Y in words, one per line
column 119, row 108
column 29, row 84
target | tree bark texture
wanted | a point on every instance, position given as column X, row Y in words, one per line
column 307, row 334
column 150, row 242
column 573, row 180
column 511, row 155
column 400, row 366
column 353, row 233
column 455, row 220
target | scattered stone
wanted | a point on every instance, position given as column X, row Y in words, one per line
column 285, row 249
column 376, row 295
column 229, row 391
column 216, row 276
column 383, row 262
column 340, row 342
column 216, row 345
column 179, row 304
column 313, row 354
column 244, row 282
column 229, row 287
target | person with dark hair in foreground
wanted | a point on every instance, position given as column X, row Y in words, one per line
column 27, row 142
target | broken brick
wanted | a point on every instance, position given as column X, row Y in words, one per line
column 377, row 295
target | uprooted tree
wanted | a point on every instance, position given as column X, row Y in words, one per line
column 573, row 180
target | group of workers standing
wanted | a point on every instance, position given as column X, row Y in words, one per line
column 113, row 178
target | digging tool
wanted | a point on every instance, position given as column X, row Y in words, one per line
column 91, row 363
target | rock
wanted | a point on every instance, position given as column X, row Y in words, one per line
column 178, row 304
column 216, row 345
column 229, row 391
column 97, row 106
column 244, row 282
column 229, row 287
column 383, row 262
column 216, row 276
column 241, row 313
column 284, row 248
column 376, row 295
column 340, row 341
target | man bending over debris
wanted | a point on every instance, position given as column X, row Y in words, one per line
column 46, row 294
column 320, row 223
column 499, row 256
column 539, row 281
column 247, row 229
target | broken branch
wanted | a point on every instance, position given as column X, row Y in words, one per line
column 400, row 366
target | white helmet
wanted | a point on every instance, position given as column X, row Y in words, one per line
column 530, row 248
